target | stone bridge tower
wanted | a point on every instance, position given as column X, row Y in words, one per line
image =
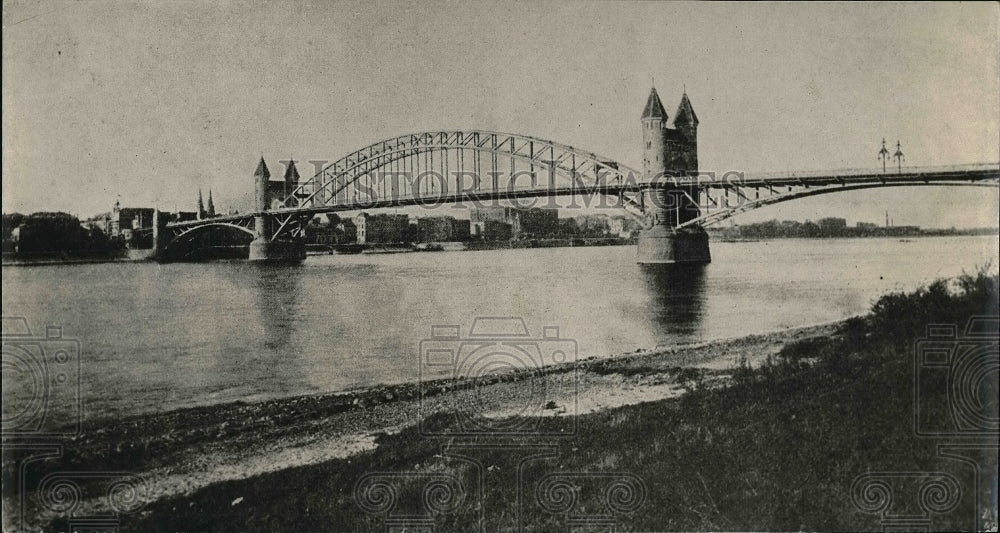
column 267, row 198
column 260, row 247
column 667, row 153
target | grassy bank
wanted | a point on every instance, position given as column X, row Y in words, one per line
column 181, row 451
column 776, row 448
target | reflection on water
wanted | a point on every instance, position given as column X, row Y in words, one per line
column 264, row 318
column 676, row 298
column 276, row 293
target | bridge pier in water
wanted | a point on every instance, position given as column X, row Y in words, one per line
column 292, row 251
column 264, row 246
column 661, row 244
column 260, row 246
column 661, row 241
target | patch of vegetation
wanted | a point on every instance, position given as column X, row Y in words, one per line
column 53, row 233
column 778, row 449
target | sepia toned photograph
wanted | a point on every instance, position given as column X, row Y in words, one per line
column 560, row 266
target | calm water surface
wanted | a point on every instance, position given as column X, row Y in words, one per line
column 158, row 337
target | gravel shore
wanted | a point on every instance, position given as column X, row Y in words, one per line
column 182, row 451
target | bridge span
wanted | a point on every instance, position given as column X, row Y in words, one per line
column 673, row 199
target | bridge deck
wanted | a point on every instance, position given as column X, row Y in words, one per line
column 730, row 180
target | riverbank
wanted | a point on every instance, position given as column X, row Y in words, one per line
column 204, row 446
column 770, row 432
column 792, row 416
column 123, row 256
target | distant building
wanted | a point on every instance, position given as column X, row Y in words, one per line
column 621, row 226
column 524, row 222
column 593, row 225
column 122, row 223
column 898, row 231
column 442, row 229
column 494, row 230
column 832, row 223
column 348, row 230
column 535, row 222
column 330, row 231
column 100, row 221
column 129, row 218
column 14, row 241
column 482, row 214
column 381, row 228
column 181, row 216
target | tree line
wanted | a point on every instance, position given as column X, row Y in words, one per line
column 53, row 232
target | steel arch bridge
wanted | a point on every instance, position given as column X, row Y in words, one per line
column 484, row 167
column 444, row 165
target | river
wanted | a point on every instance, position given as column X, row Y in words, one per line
column 158, row 337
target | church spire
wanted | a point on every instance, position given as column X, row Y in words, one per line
column 201, row 206
column 211, row 205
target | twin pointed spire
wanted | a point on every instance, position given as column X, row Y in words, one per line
column 291, row 173
column 654, row 110
column 204, row 211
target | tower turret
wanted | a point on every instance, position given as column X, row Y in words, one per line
column 654, row 124
column 201, row 206
column 261, row 176
column 686, row 123
column 266, row 246
column 291, row 180
column 667, row 204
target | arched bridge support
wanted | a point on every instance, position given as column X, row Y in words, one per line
column 272, row 244
column 275, row 251
column 661, row 242
column 276, row 237
column 260, row 247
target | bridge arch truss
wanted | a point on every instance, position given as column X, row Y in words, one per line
column 454, row 165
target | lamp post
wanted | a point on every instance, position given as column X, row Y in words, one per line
column 898, row 156
column 883, row 154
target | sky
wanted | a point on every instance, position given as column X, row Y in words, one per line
column 146, row 102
